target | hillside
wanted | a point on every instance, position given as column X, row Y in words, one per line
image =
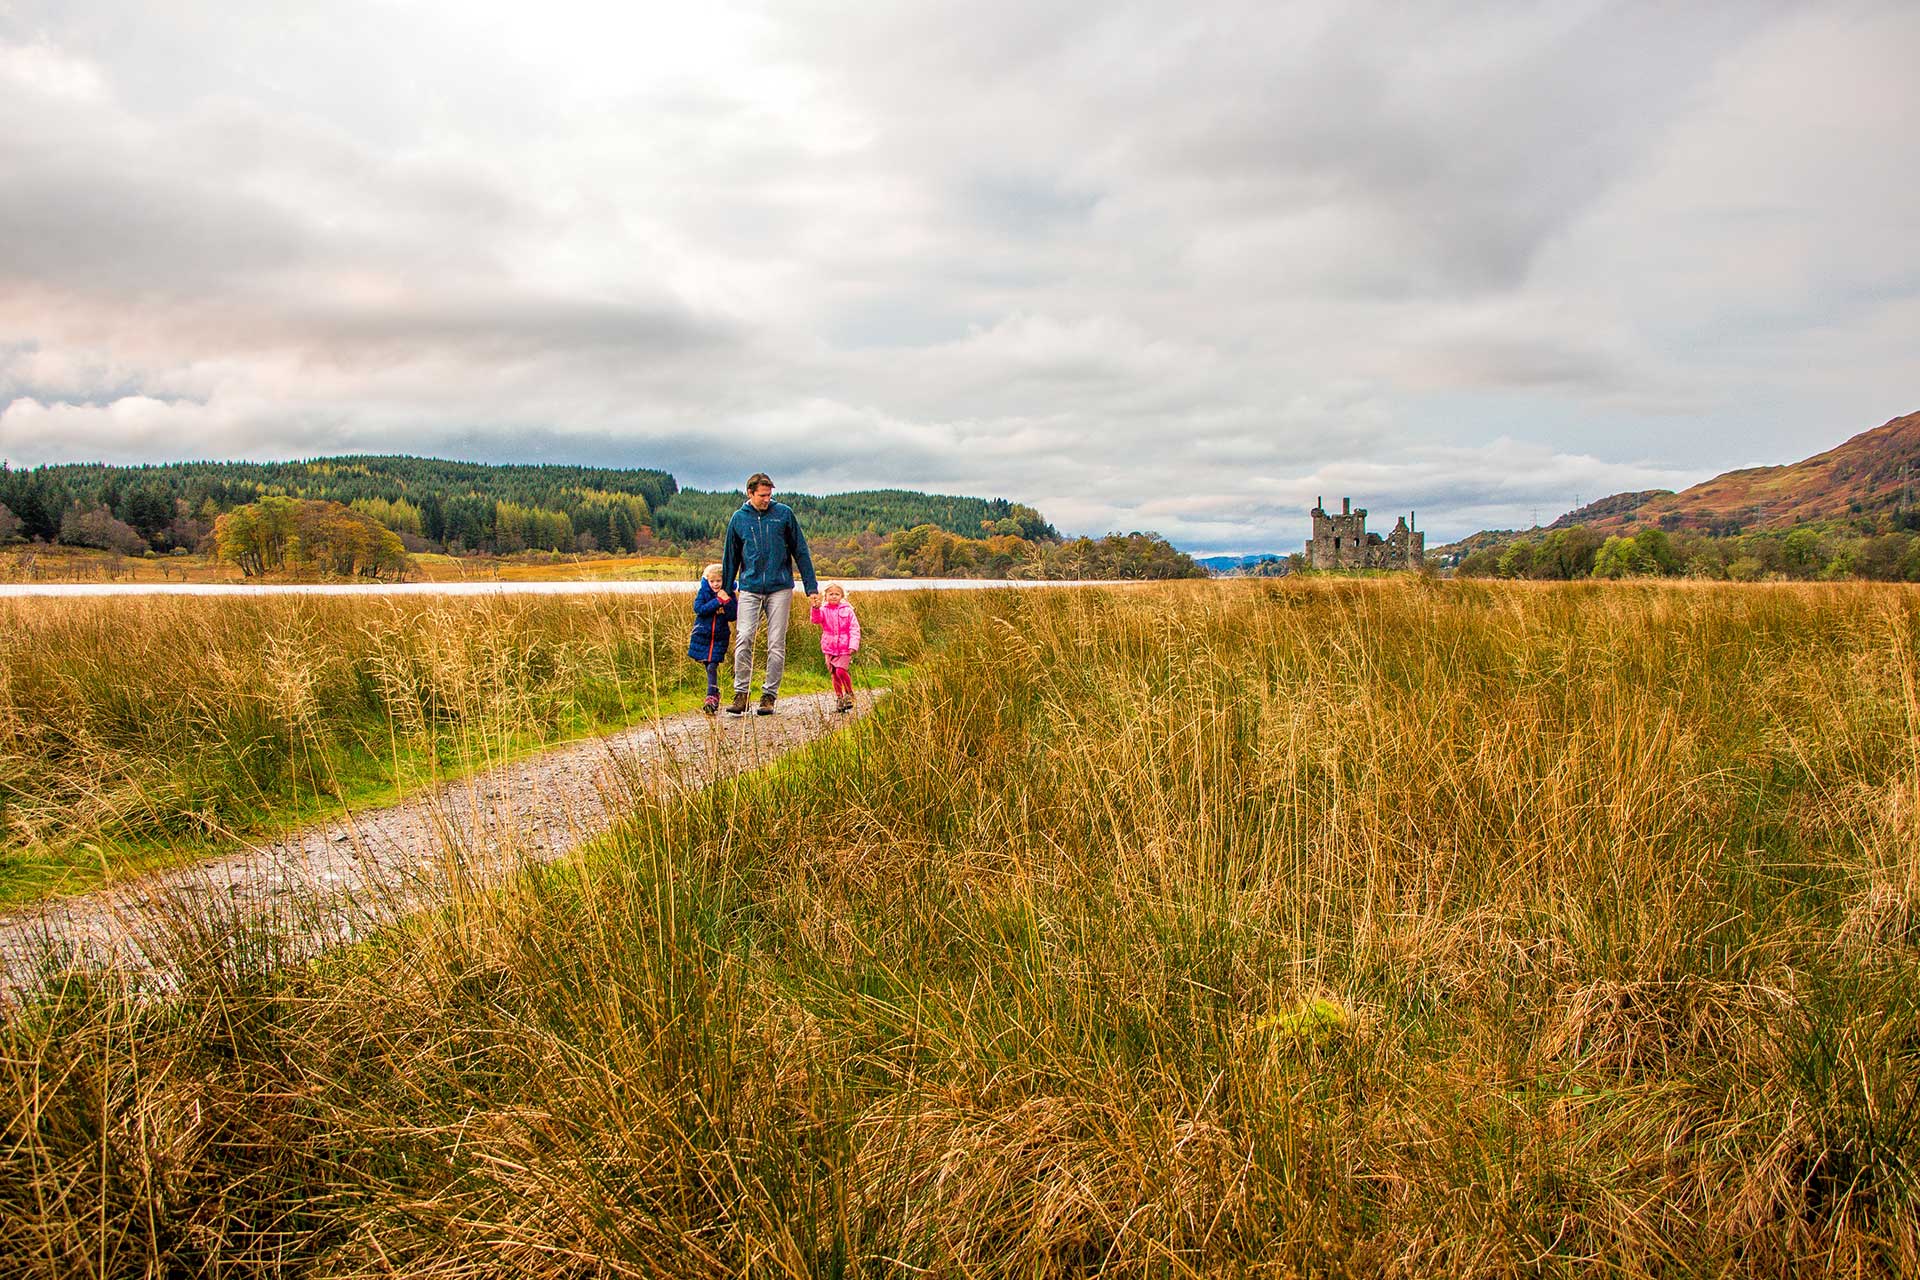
column 434, row 502
column 695, row 515
column 391, row 477
column 1240, row 564
column 455, row 506
column 1612, row 507
column 1876, row 472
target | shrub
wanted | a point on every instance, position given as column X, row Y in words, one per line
column 96, row 527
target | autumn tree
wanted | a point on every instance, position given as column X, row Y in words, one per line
column 98, row 527
column 339, row 541
column 1484, row 563
column 256, row 536
column 1619, row 558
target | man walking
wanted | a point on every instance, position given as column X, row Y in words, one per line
column 763, row 544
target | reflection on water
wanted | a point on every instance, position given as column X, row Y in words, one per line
column 473, row 588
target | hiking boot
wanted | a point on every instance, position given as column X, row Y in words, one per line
column 766, row 704
column 738, row 707
column 712, row 704
column 846, row 702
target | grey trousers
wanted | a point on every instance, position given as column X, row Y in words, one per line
column 777, row 608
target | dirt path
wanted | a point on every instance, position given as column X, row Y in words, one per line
column 330, row 884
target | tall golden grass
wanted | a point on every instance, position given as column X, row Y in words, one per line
column 1361, row 928
column 144, row 730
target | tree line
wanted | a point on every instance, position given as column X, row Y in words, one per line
column 432, row 504
column 928, row 551
column 456, row 507
column 307, row 517
column 1807, row 552
column 698, row 515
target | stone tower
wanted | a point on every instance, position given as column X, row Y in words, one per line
column 1342, row 541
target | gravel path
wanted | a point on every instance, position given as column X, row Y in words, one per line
column 324, row 885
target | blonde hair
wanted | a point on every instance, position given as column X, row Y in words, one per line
column 712, row 569
column 833, row 586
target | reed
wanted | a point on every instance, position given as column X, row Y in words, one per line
column 1313, row 928
column 135, row 733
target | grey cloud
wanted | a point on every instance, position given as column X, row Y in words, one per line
column 65, row 222
column 1464, row 139
column 1143, row 269
column 1025, row 206
column 503, row 327
column 1515, row 360
column 27, row 371
column 893, row 320
column 352, row 249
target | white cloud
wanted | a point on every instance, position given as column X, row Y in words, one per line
column 44, row 71
column 1141, row 269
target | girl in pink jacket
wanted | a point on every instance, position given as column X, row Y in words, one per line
column 839, row 639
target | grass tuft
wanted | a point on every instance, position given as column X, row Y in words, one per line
column 1316, row 928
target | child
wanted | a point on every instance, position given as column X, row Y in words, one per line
column 839, row 639
column 713, row 612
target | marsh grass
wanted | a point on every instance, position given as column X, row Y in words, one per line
column 148, row 732
column 1296, row 929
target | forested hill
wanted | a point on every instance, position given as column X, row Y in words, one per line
column 343, row 479
column 456, row 506
column 694, row 515
column 461, row 505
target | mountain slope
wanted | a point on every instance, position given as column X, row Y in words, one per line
column 1875, row 471
column 1610, row 507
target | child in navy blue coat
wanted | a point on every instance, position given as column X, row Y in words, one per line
column 713, row 614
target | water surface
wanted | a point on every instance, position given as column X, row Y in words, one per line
column 476, row 588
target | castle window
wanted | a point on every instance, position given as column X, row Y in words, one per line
column 1336, row 544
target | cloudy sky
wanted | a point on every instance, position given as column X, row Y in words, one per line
column 1171, row 266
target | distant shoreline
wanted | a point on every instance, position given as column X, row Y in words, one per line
column 23, row 590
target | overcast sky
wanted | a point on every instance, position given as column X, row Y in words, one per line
column 1181, row 267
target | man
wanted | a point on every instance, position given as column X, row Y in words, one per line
column 763, row 544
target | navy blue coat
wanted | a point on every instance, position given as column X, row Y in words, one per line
column 762, row 548
column 712, row 627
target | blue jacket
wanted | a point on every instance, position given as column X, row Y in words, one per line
column 711, row 625
column 759, row 547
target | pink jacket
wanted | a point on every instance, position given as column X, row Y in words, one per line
column 839, row 629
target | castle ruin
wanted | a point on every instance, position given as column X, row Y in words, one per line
column 1342, row 541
